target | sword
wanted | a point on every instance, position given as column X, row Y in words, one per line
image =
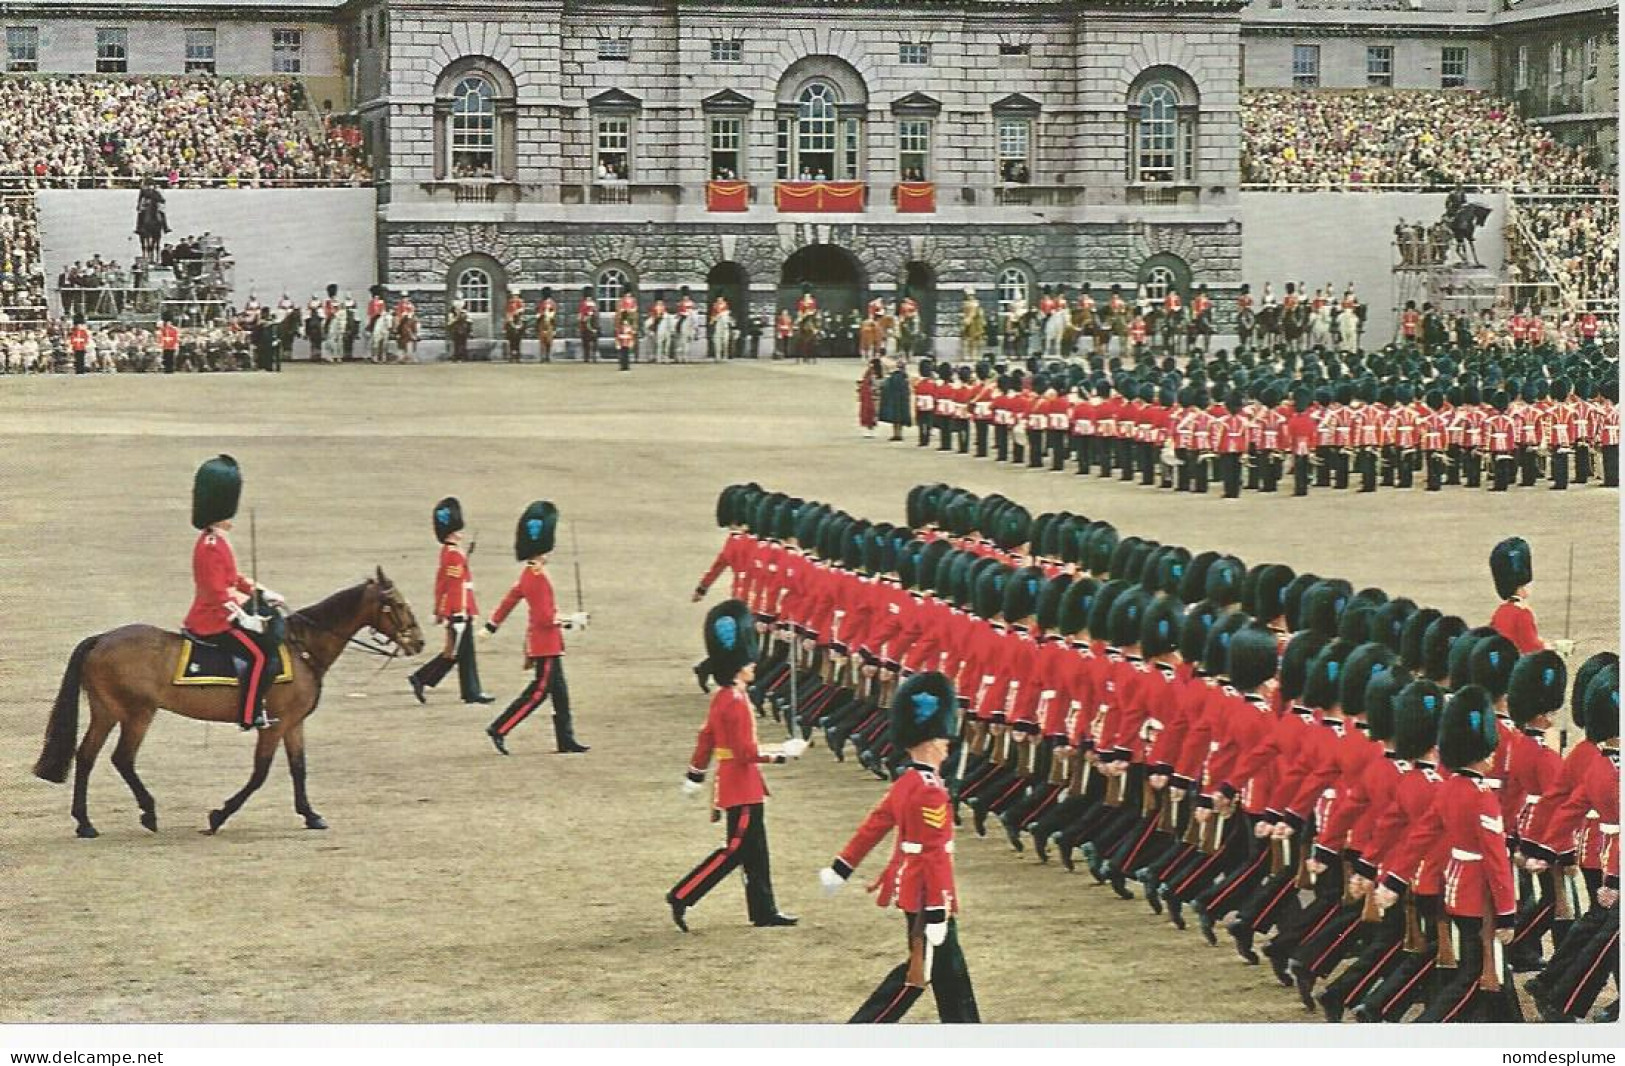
column 254, row 561
column 575, row 550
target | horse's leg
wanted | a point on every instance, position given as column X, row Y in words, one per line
column 130, row 735
column 101, row 724
column 264, row 752
column 293, row 742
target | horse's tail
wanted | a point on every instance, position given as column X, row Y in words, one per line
column 63, row 729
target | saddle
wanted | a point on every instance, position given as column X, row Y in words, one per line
column 201, row 663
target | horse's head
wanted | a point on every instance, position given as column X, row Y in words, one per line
column 392, row 615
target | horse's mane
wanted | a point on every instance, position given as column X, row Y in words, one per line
column 338, row 607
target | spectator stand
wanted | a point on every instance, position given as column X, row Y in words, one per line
column 1428, row 270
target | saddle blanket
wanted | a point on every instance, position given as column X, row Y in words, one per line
column 205, row 664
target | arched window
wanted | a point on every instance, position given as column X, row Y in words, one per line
column 821, row 103
column 1158, row 142
column 1014, row 284
column 1158, row 280
column 473, row 129
column 474, row 136
column 1162, row 110
column 815, row 132
column 474, row 289
column 612, row 284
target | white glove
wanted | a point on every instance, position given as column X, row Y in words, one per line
column 1563, row 647
column 578, row 620
column 794, row 747
column 936, row 933
column 830, row 880
column 691, row 788
column 252, row 622
column 273, row 598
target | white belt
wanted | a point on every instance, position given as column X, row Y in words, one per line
column 910, row 847
column 1534, row 798
column 1330, row 793
column 1609, row 829
column 1465, row 856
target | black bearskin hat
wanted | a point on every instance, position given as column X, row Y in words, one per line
column 1441, row 633
column 1216, row 653
column 1461, row 655
column 1300, row 652
column 1077, row 603
column 1380, row 694
column 1388, row 624
column 1582, row 681
column 1467, row 732
column 730, row 640
column 1048, row 613
column 216, row 489
column 1128, row 613
column 1021, row 593
column 1491, row 664
column 1324, row 687
column 1252, row 657
column 534, row 534
column 1417, row 710
column 1269, row 593
column 1511, row 566
column 448, row 518
column 1538, row 684
column 1411, row 638
column 925, row 708
column 1160, row 628
column 1602, row 705
column 1193, row 633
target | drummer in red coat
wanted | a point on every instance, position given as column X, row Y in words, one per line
column 454, row 607
column 919, row 879
column 544, row 636
column 729, row 734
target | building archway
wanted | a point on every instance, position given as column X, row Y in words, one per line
column 729, row 280
column 832, row 274
column 920, row 282
column 1164, row 272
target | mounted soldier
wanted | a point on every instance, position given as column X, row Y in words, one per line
column 587, row 325
column 547, row 323
column 972, row 326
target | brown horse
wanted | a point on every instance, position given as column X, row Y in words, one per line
column 128, row 673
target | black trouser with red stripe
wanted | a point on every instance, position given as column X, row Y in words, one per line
column 747, row 847
column 1457, row 997
column 947, row 974
column 1580, row 969
column 462, row 657
column 548, row 683
column 256, row 661
column 1410, row 979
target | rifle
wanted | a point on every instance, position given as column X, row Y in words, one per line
column 918, row 953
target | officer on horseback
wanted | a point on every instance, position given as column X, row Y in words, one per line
column 226, row 606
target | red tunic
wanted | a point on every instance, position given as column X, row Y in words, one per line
column 729, row 734
column 920, row 874
column 544, row 636
column 1516, row 622
column 735, row 556
column 215, row 576
column 453, row 584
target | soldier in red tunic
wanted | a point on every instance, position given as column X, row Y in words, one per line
column 544, row 636
column 547, row 324
column 78, row 341
column 919, row 879
column 224, row 610
column 729, row 734
column 1475, row 983
column 587, row 325
column 454, row 607
column 1513, row 568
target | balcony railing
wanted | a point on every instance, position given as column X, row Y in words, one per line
column 653, row 194
column 1013, row 195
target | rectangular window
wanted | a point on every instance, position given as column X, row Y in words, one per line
column 1591, row 58
column 914, row 149
column 367, row 22
column 914, row 53
column 782, row 150
column 727, row 137
column 1554, row 63
column 614, row 48
column 614, row 148
column 727, row 50
column 112, row 50
column 1379, row 66
column 22, row 48
column 1521, row 78
column 850, row 150
column 1305, row 66
column 1014, row 48
column 1453, row 68
column 1015, row 150
column 200, row 51
column 287, row 47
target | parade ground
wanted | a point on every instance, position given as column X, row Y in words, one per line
column 455, row 885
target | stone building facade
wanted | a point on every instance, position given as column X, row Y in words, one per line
column 859, row 147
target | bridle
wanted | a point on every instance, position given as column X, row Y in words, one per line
column 371, row 647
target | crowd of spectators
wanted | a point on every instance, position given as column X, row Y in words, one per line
column 121, row 349
column 1575, row 242
column 179, row 130
column 1333, row 139
column 22, row 284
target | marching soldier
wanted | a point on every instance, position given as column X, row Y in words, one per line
column 454, row 607
column 729, row 734
column 544, row 636
column 919, row 880
column 225, row 608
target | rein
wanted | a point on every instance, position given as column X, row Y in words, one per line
column 371, row 648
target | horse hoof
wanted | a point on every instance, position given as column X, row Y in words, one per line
column 149, row 821
column 315, row 821
column 86, row 831
column 216, row 820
